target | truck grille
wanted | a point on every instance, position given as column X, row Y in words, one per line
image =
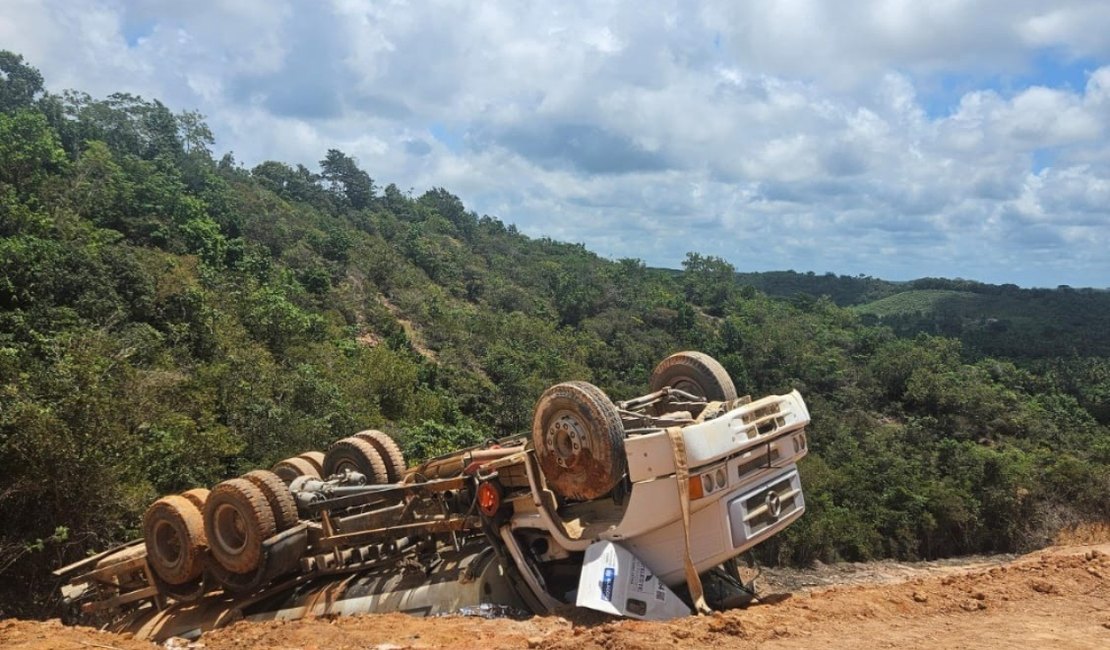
column 761, row 509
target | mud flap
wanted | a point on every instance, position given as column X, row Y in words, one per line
column 615, row 581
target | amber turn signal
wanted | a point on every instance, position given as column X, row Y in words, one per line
column 489, row 498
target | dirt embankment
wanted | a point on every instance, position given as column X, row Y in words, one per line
column 1056, row 598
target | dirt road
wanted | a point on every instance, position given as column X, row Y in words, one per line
column 1056, row 598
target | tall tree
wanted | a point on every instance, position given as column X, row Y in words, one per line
column 19, row 82
column 195, row 133
column 29, row 151
column 346, row 180
column 709, row 281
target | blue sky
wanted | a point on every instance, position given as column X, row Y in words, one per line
column 896, row 139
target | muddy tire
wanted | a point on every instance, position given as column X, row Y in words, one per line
column 237, row 519
column 695, row 373
column 198, row 496
column 358, row 455
column 389, row 451
column 277, row 495
column 579, row 440
column 316, row 459
column 174, row 538
column 291, row 468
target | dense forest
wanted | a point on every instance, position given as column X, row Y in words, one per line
column 990, row 320
column 169, row 318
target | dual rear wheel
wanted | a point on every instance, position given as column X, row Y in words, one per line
column 238, row 517
column 231, row 521
column 234, row 518
column 372, row 453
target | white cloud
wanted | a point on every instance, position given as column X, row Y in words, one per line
column 793, row 134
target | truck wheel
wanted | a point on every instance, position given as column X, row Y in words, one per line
column 277, row 495
column 198, row 496
column 357, row 455
column 173, row 533
column 291, row 468
column 695, row 373
column 316, row 459
column 237, row 519
column 389, row 451
column 579, row 440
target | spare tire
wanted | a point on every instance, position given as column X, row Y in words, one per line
column 695, row 373
column 357, row 455
column 277, row 495
column 389, row 451
column 237, row 519
column 579, row 440
column 291, row 468
column 174, row 537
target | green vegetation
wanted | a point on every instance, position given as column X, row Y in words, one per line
column 915, row 301
column 168, row 320
column 1002, row 321
column 990, row 320
column 844, row 290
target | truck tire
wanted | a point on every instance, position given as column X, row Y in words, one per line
column 237, row 519
column 198, row 496
column 174, row 537
column 277, row 495
column 579, row 440
column 389, row 451
column 358, row 455
column 316, row 459
column 291, row 468
column 696, row 373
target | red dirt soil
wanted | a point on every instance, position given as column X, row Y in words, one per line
column 1056, row 598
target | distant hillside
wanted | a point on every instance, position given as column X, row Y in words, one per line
column 998, row 321
column 916, row 301
column 844, row 290
column 991, row 320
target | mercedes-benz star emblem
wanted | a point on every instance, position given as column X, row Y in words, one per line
column 774, row 503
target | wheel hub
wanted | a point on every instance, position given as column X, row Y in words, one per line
column 687, row 386
column 231, row 529
column 565, row 438
column 167, row 544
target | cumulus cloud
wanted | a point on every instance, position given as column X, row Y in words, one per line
column 898, row 139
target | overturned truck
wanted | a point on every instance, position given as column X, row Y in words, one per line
column 638, row 508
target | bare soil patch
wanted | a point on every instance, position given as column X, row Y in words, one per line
column 1055, row 598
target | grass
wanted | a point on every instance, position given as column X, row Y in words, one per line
column 915, row 301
